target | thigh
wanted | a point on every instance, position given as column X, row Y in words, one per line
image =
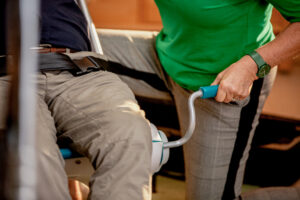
column 87, row 105
column 99, row 116
column 52, row 182
column 136, row 50
column 51, row 177
column 216, row 154
column 208, row 152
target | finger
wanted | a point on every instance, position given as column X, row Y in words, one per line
column 221, row 95
column 228, row 98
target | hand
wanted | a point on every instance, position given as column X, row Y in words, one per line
column 235, row 82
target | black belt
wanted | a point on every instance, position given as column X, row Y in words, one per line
column 78, row 67
column 150, row 78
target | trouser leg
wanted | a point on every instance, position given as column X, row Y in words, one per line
column 99, row 116
column 51, row 177
column 249, row 120
column 216, row 155
column 207, row 154
column 136, row 50
column 52, row 181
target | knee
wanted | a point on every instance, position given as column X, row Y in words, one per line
column 127, row 140
column 119, row 127
column 136, row 129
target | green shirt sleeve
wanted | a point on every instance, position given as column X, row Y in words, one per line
column 290, row 9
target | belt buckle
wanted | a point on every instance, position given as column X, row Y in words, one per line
column 85, row 65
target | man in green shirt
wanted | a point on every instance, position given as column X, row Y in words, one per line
column 213, row 42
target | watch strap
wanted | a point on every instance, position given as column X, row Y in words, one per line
column 257, row 59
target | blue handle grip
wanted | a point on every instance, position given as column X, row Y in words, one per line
column 209, row 91
column 66, row 153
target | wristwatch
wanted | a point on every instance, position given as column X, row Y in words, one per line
column 263, row 67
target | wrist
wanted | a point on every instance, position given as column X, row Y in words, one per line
column 262, row 67
column 250, row 64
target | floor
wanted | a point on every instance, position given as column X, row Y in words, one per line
column 172, row 189
column 168, row 188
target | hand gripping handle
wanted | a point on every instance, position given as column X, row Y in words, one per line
column 204, row 93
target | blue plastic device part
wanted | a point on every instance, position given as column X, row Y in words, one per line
column 209, row 91
column 68, row 153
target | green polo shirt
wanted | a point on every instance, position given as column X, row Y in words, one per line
column 200, row 38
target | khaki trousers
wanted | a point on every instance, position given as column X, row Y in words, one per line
column 98, row 116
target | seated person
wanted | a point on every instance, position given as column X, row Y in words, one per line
column 96, row 113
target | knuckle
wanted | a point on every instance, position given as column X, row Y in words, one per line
column 243, row 95
column 224, row 86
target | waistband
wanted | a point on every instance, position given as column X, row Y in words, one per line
column 46, row 61
column 48, row 48
column 82, row 64
column 54, row 61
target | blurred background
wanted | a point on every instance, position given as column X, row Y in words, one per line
column 129, row 14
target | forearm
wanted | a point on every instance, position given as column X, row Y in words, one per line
column 284, row 46
column 236, row 80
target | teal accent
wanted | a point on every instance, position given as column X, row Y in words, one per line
column 156, row 141
column 162, row 152
column 66, row 153
column 209, row 91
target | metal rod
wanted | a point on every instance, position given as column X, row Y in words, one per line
column 192, row 123
column 96, row 45
column 29, row 9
